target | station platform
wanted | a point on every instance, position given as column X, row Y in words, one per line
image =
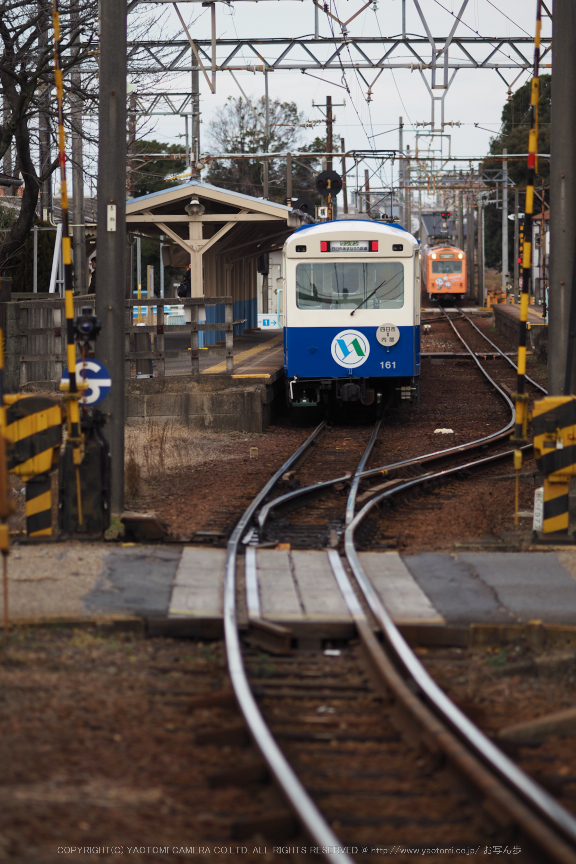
column 168, row 590
column 215, row 399
column 507, row 321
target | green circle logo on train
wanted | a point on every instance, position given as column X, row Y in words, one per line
column 350, row 348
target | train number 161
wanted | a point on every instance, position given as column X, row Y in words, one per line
column 388, row 364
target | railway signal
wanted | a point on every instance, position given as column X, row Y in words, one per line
column 329, row 184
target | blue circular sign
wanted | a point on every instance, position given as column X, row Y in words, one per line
column 96, row 376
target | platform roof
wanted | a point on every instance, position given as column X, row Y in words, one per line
column 231, row 224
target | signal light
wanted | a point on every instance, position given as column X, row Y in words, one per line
column 324, row 246
column 445, row 215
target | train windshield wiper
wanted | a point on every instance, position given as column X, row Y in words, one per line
column 369, row 296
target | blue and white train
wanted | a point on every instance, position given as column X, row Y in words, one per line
column 352, row 314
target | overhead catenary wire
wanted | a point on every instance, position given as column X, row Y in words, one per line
column 458, row 18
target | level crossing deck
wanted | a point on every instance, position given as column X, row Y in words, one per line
column 180, row 590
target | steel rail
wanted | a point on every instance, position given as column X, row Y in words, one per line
column 459, row 448
column 296, row 493
column 351, row 503
column 505, row 356
column 308, row 814
column 360, row 474
column 522, row 785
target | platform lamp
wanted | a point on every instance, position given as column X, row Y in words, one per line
column 194, row 208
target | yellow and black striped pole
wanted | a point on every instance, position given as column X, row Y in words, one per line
column 72, row 407
column 520, row 397
column 4, row 506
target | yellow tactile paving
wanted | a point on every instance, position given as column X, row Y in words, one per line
column 245, row 355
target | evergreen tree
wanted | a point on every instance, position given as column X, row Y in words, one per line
column 235, row 129
column 514, row 137
column 150, row 174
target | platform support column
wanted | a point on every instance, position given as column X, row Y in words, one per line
column 196, row 245
column 194, row 349
column 229, row 323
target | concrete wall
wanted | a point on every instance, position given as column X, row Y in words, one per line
column 218, row 403
column 509, row 326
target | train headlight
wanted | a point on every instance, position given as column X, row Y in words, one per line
column 460, row 255
column 434, row 255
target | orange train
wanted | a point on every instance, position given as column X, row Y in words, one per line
column 444, row 272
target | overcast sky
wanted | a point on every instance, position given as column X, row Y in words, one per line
column 475, row 97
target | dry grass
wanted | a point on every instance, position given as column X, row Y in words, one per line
column 492, row 279
column 154, row 450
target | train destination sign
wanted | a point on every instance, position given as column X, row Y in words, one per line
column 388, row 335
column 349, row 246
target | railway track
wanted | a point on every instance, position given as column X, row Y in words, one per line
column 399, row 716
column 477, row 341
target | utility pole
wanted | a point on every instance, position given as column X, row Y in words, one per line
column 367, row 187
column 470, row 245
column 78, row 230
column 480, row 255
column 562, row 313
column 400, row 172
column 131, row 148
column 329, row 137
column 330, row 120
column 44, row 118
column 516, row 246
column 289, row 180
column 461, row 220
column 344, row 185
column 504, row 219
column 407, row 193
column 111, row 232
column 266, row 162
column 194, row 153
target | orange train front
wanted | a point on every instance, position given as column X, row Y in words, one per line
column 444, row 272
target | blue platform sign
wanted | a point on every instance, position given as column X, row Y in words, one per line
column 96, row 376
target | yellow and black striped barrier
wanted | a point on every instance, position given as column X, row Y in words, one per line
column 554, row 429
column 32, row 429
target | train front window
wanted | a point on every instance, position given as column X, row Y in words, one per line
column 447, row 266
column 344, row 285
